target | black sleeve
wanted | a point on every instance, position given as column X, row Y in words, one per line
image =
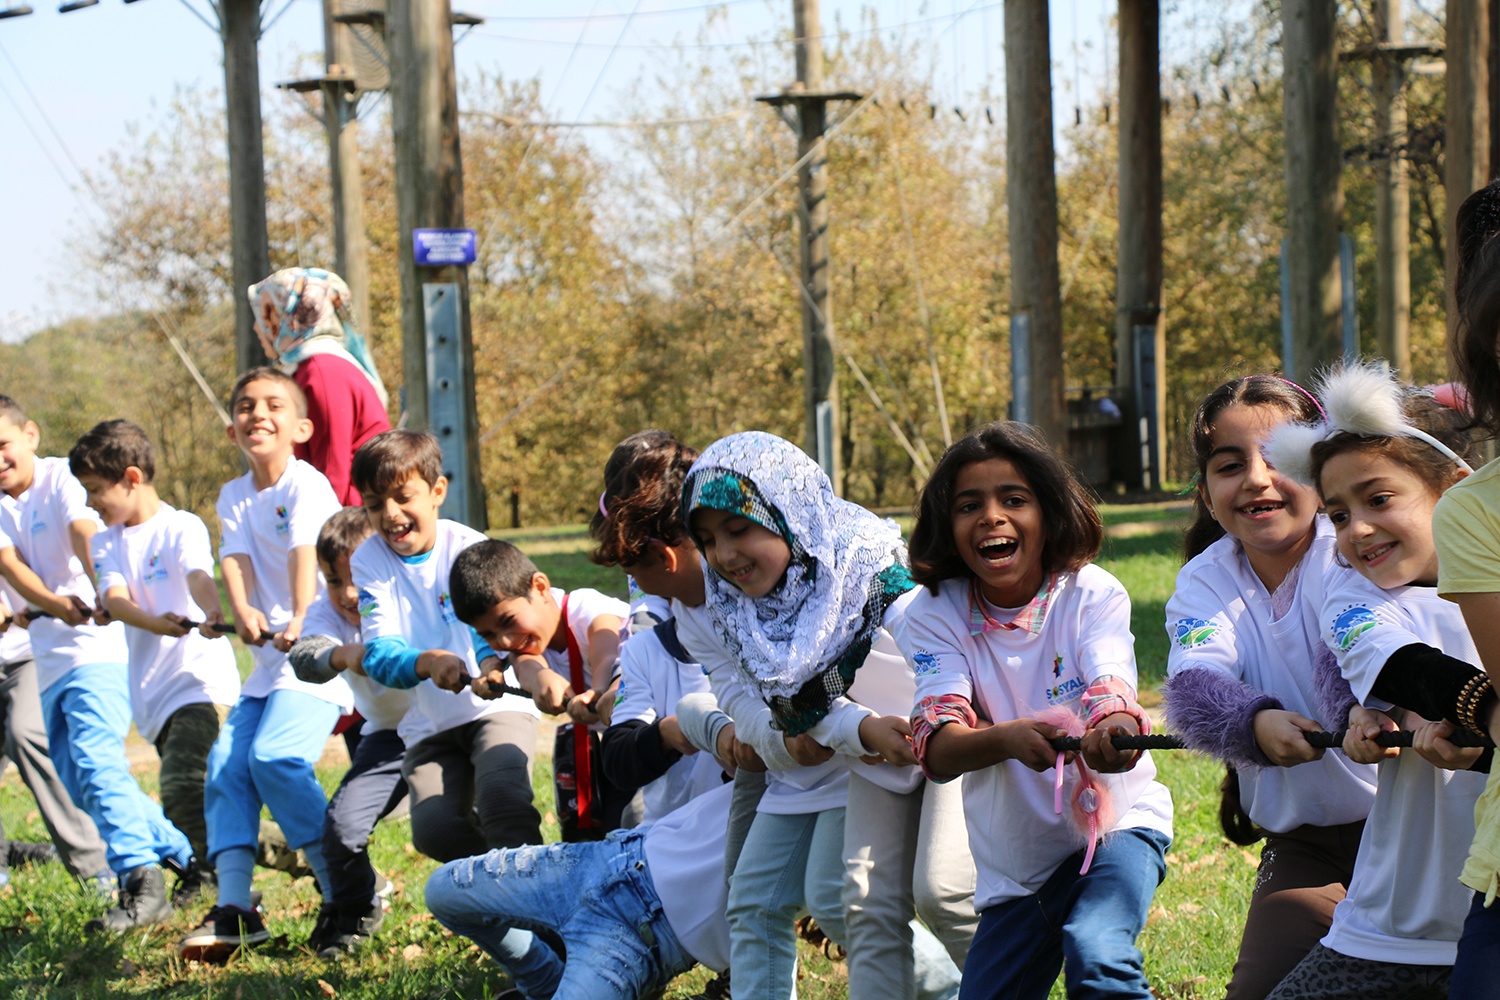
column 633, row 753
column 1427, row 681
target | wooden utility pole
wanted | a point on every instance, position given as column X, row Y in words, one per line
column 1140, row 333
column 430, row 194
column 1466, row 149
column 1314, row 186
column 1392, row 196
column 239, row 25
column 1031, row 195
column 822, row 429
column 350, row 247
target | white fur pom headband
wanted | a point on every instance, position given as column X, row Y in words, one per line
column 1361, row 398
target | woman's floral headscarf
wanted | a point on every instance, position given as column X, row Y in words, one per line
column 799, row 645
column 303, row 311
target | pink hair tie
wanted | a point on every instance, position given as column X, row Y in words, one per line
column 603, row 510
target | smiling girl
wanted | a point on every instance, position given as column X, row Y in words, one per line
column 802, row 593
column 1243, row 633
column 1380, row 462
column 1013, row 619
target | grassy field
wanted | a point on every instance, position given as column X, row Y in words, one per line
column 1189, row 942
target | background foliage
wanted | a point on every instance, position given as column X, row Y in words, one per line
column 616, row 276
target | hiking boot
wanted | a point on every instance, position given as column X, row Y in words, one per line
column 341, row 931
column 192, row 883
column 224, row 931
column 143, row 901
column 20, row 853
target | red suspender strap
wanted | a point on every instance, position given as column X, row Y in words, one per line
column 582, row 765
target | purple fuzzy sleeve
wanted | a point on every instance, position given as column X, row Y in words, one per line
column 1335, row 696
column 1213, row 713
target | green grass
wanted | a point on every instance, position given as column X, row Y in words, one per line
column 1189, row 942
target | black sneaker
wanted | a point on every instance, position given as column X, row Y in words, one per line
column 342, row 931
column 192, row 882
column 143, row 901
column 20, row 853
column 224, row 931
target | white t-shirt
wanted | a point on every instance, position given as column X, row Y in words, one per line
column 15, row 642
column 1405, row 903
column 409, row 599
column 152, row 561
column 652, row 681
column 1220, row 618
column 382, row 707
column 790, row 790
column 46, row 511
column 685, row 858
column 266, row 525
column 1017, row 839
column 584, row 605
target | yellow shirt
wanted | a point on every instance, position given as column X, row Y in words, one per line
column 1466, row 528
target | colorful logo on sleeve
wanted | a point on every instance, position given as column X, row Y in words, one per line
column 1190, row 632
column 445, row 607
column 926, row 662
column 283, row 521
column 366, row 603
column 1352, row 623
column 155, row 571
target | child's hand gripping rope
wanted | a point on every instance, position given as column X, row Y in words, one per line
column 1093, row 809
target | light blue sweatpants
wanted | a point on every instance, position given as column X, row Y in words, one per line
column 265, row 754
column 87, row 714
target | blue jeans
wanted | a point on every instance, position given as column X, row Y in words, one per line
column 1474, row 972
column 1084, row 924
column 597, row 900
column 787, row 862
column 265, row 754
column 87, row 714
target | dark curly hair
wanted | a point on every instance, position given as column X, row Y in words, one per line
column 1074, row 531
column 643, row 497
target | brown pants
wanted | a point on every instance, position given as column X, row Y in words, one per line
column 1303, row 875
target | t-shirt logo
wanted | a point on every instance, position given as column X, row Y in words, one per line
column 37, row 524
column 445, row 606
column 1190, row 632
column 283, row 524
column 366, row 603
column 1351, row 624
column 155, row 571
column 1066, row 691
column 926, row 662
column 1057, row 665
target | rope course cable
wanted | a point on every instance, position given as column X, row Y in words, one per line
column 513, row 122
column 559, row 18
column 167, row 328
column 750, row 43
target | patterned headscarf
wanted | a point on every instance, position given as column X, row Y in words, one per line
column 799, row 645
column 303, row 311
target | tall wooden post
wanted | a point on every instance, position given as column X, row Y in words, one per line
column 1392, row 197
column 250, row 246
column 1031, row 196
column 429, row 194
column 350, row 248
column 1314, row 185
column 1466, row 151
column 1140, row 334
column 823, row 423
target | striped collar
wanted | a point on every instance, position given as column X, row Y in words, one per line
column 1030, row 618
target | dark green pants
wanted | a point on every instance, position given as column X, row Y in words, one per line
column 183, row 746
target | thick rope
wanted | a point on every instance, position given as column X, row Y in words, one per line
column 1322, row 740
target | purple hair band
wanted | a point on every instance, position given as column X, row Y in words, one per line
column 603, row 510
column 1294, row 385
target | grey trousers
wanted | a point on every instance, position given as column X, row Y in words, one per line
column 24, row 743
column 480, row 770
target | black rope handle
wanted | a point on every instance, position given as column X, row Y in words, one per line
column 500, row 687
column 1323, row 740
column 223, row 628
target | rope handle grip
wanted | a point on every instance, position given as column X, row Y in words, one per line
column 1323, row 740
column 223, row 628
column 500, row 687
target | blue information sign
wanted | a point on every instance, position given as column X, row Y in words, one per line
column 435, row 247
